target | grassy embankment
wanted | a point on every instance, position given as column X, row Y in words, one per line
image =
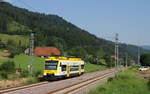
column 93, row 67
column 126, row 82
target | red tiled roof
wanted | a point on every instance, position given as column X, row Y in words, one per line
column 46, row 51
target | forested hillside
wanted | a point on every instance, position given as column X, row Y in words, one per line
column 52, row 30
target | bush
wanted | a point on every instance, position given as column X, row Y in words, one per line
column 32, row 80
column 3, row 75
column 38, row 73
column 110, row 79
column 24, row 74
column 145, row 60
column 8, row 67
column 148, row 84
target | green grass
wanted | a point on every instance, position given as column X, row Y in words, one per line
column 126, row 82
column 14, row 26
column 22, row 61
column 16, row 38
column 93, row 67
column 3, row 60
column 31, row 80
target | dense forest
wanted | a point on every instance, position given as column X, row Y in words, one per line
column 52, row 30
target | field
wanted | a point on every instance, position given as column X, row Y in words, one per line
column 126, row 82
column 16, row 38
column 22, row 61
column 93, row 67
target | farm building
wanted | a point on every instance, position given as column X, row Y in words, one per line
column 46, row 51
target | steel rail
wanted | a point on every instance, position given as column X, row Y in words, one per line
column 88, row 81
column 22, row 87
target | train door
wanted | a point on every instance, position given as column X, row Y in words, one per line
column 79, row 69
column 68, row 70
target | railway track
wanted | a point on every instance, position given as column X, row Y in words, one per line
column 58, row 87
column 75, row 87
column 22, row 87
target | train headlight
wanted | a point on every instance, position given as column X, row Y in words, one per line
column 44, row 74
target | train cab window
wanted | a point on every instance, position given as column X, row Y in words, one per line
column 63, row 67
column 82, row 66
column 51, row 65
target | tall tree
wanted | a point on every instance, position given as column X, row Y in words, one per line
column 145, row 60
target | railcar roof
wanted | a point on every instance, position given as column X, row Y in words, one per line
column 63, row 58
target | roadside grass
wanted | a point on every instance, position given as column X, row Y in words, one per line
column 30, row 80
column 93, row 67
column 126, row 82
column 5, row 83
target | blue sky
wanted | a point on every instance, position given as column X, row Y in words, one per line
column 104, row 18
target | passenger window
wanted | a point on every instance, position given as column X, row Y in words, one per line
column 63, row 67
column 74, row 68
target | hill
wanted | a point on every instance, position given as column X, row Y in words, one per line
column 146, row 47
column 52, row 30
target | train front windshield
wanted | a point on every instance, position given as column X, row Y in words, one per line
column 51, row 65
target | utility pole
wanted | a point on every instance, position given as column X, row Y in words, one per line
column 115, row 56
column 138, row 56
column 126, row 59
column 116, row 51
column 31, row 53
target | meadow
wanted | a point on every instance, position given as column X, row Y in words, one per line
column 15, row 38
column 93, row 67
column 22, row 61
column 126, row 82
